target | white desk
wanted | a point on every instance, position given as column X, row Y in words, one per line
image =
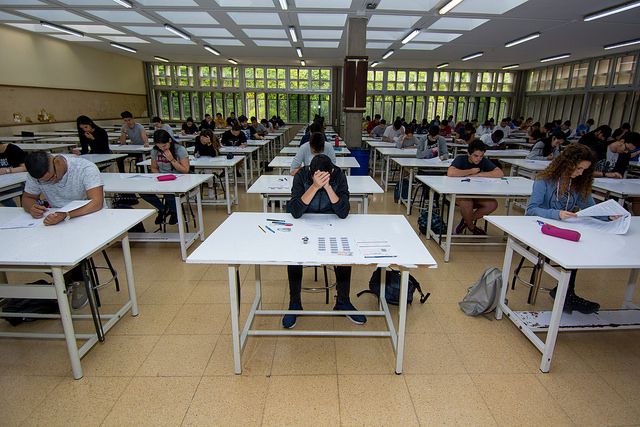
column 374, row 143
column 278, row 187
column 457, row 146
column 292, row 151
column 434, row 164
column 88, row 234
column 49, row 133
column 247, row 152
column 101, row 160
column 46, row 147
column 15, row 139
column 525, row 167
column 387, row 153
column 619, row 189
column 284, row 162
column 518, row 142
column 13, row 182
column 591, row 252
column 239, row 241
column 515, row 154
column 470, row 188
column 62, row 140
column 296, row 143
column 140, row 150
column 182, row 188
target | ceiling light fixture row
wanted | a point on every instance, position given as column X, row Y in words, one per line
column 611, row 11
column 123, row 47
column 450, row 5
column 161, row 59
column 472, row 56
column 124, row 3
column 522, row 40
column 510, row 67
column 622, row 44
column 443, row 65
column 284, row 5
column 61, row 29
column 412, row 35
column 556, row 57
column 177, row 32
column 374, row 64
column 303, row 63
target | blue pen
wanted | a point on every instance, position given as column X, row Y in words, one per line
column 267, row 227
column 381, row 256
column 286, row 224
column 540, row 222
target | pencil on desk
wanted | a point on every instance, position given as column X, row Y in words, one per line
column 262, row 229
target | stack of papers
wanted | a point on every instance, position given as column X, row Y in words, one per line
column 609, row 208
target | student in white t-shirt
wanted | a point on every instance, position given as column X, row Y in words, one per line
column 494, row 139
column 394, row 132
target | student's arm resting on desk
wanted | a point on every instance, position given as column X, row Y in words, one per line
column 143, row 134
column 96, row 202
column 495, row 173
column 296, row 163
column 537, row 152
column 423, row 151
column 30, row 205
column 455, row 172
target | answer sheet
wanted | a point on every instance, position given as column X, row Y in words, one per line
column 605, row 209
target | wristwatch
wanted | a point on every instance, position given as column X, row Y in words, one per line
column 67, row 216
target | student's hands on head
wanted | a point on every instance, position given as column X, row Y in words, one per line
column 167, row 155
column 320, row 179
column 55, row 218
column 567, row 214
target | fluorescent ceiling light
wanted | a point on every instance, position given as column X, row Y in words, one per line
column 124, row 3
column 123, row 47
column 292, row 31
column 299, row 52
column 622, row 44
column 177, row 32
column 374, row 64
column 412, row 35
column 611, row 11
column 61, row 28
column 555, row 58
column 212, row 50
column 522, row 40
column 473, row 55
column 447, row 7
column 161, row 59
column 233, row 61
column 443, row 65
column 510, row 67
column 388, row 54
column 284, row 5
column 304, row 64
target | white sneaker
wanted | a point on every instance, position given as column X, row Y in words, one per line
column 79, row 296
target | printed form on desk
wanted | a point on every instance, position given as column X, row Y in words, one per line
column 605, row 209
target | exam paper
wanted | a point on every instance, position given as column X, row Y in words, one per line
column 23, row 221
column 605, row 209
column 71, row 206
column 375, row 249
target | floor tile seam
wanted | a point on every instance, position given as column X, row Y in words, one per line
column 116, row 400
column 195, row 391
column 538, row 379
column 42, row 400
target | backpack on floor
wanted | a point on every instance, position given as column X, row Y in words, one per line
column 482, row 297
column 26, row 305
column 405, row 190
column 392, row 288
column 437, row 225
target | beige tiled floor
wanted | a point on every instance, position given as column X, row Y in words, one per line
column 172, row 364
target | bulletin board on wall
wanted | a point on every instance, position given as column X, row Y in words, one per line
column 65, row 105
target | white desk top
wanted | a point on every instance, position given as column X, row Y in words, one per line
column 532, row 165
column 341, row 161
column 10, row 179
column 147, row 183
column 45, row 147
column 258, row 142
column 61, row 140
column 296, row 143
column 592, row 251
column 49, row 133
column 49, row 245
column 507, row 153
column 397, row 152
column 281, row 184
column 412, row 162
column 238, row 240
column 292, row 151
column 379, row 143
column 204, row 162
column 239, row 150
column 19, row 138
column 101, row 158
column 129, row 148
column 507, row 186
column 625, row 187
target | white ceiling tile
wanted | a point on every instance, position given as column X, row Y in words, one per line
column 246, row 3
column 487, row 7
column 427, row 36
column 69, row 37
column 251, row 18
column 322, row 44
column 261, row 33
column 174, row 3
column 147, row 31
column 378, row 45
column 322, row 19
column 54, row 15
column 208, row 32
column 464, row 24
column 321, row 34
column 121, row 16
column 172, row 40
column 419, row 5
column 392, row 21
column 272, row 43
column 95, row 29
column 88, row 2
column 20, row 3
column 9, row 17
column 385, row 35
column 36, row 28
column 324, row 4
column 224, row 42
column 125, row 39
column 188, row 17
column 421, row 46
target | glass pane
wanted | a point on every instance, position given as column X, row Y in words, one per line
column 625, row 70
column 175, row 105
column 601, row 72
column 579, row 75
column 164, row 104
column 186, row 105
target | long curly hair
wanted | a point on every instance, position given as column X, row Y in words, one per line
column 564, row 165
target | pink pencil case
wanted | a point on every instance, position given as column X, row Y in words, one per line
column 168, row 177
column 562, row 233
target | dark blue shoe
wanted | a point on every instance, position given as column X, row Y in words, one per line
column 289, row 320
column 358, row 319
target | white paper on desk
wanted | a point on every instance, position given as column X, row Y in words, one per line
column 141, row 176
column 605, row 209
column 491, row 180
column 23, row 221
column 72, row 206
column 375, row 249
column 333, row 245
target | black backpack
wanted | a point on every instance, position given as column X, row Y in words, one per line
column 392, row 288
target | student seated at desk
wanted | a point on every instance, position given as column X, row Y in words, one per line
column 378, row 131
column 132, row 131
column 206, row 144
column 493, row 140
column 547, row 148
column 93, row 139
column 219, row 122
column 596, row 140
column 320, row 187
column 407, row 140
column 249, row 131
column 259, row 127
column 158, row 124
column 394, row 132
column 306, row 152
column 559, row 191
column 189, row 127
column 61, row 180
column 474, row 164
column 11, row 161
column 434, row 145
column 267, row 125
column 234, row 137
column 166, row 157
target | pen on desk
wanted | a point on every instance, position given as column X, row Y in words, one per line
column 262, row 229
column 540, row 222
column 277, row 220
column 286, row 224
column 268, row 228
column 380, row 256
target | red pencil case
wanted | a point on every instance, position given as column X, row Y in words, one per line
column 562, row 233
column 168, row 177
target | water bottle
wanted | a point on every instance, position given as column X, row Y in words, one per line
column 337, row 141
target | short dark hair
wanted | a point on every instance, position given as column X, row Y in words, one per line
column 253, row 118
column 397, row 124
column 558, row 134
column 189, row 119
column 434, row 130
column 126, row 115
column 377, row 116
column 567, row 123
column 156, row 119
column 498, row 134
column 590, row 121
column 242, row 118
column 383, row 122
column 625, row 125
column 217, row 114
column 444, row 122
column 316, row 142
column 161, row 136
column 631, row 138
column 409, row 129
column 236, row 126
column 37, row 163
column 605, row 130
column 322, row 163
column 476, row 145
column 85, row 120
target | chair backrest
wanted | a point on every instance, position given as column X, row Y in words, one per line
column 27, row 133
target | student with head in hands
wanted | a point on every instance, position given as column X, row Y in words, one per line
column 471, row 165
column 547, row 148
column 320, row 187
column 166, row 157
column 93, row 139
column 206, row 144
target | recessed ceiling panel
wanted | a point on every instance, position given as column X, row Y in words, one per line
column 322, row 44
column 9, row 17
column 70, row 38
column 121, row 16
column 261, row 33
column 20, row 3
column 54, row 15
column 322, row 34
column 36, row 28
column 224, row 42
column 418, row 5
column 273, row 43
column 125, row 39
column 208, row 32
column 172, row 40
column 385, row 35
column 250, row 18
column 324, row 4
column 95, row 29
column 427, row 36
column 188, row 18
column 174, row 3
column 246, row 3
column 487, row 7
column 392, row 21
column 322, row 19
column 378, row 45
column 464, row 24
column 88, row 3
column 421, row 46
column 148, row 31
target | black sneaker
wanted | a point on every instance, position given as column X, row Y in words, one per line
column 358, row 319
column 460, row 228
column 574, row 302
column 173, row 218
column 160, row 218
column 289, row 320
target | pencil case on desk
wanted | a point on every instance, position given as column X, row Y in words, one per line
column 562, row 233
column 168, row 177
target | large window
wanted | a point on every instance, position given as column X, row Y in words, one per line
column 601, row 72
column 374, row 80
column 625, row 70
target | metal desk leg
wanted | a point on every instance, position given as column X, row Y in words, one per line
column 631, row 286
column 386, row 161
column 375, row 160
column 67, row 322
column 265, row 203
column 199, row 209
column 452, row 211
column 227, row 171
column 400, row 184
column 429, row 213
column 506, row 274
column 246, row 177
column 402, row 319
column 183, row 245
column 128, row 269
column 235, row 312
column 554, row 324
column 365, row 204
column 409, row 191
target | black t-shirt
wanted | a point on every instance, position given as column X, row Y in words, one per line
column 206, row 125
column 229, row 139
column 12, row 157
column 98, row 145
column 462, row 162
column 189, row 130
column 598, row 146
column 249, row 132
column 204, row 150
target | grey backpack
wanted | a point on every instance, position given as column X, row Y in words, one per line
column 482, row 296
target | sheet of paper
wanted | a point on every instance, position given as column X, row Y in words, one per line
column 607, row 208
column 72, row 206
column 141, row 177
column 23, row 221
column 491, row 180
column 333, row 245
column 619, row 226
column 375, row 249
